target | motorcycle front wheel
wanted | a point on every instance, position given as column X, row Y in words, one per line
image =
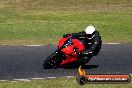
column 52, row 61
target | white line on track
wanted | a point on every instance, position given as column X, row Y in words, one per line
column 69, row 76
column 22, row 80
column 37, row 78
column 33, row 45
column 103, row 43
column 50, row 77
column 13, row 81
column 111, row 43
column 4, row 80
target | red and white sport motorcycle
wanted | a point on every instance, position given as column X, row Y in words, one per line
column 68, row 50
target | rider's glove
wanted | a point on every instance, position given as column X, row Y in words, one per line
column 86, row 53
column 66, row 35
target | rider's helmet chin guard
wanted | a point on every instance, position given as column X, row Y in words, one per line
column 90, row 31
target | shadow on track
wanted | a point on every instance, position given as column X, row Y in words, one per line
column 73, row 66
column 83, row 67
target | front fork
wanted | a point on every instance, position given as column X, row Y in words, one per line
column 61, row 56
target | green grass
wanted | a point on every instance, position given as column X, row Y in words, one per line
column 44, row 27
column 67, row 4
column 24, row 22
column 59, row 83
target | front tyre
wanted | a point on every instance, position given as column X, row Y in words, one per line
column 52, row 61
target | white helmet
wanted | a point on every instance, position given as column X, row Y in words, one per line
column 90, row 30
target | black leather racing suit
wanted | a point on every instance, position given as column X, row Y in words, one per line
column 92, row 45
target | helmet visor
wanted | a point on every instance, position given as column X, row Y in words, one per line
column 90, row 35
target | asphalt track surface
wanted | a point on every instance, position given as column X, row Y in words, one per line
column 19, row 62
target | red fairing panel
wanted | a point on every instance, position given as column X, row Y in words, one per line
column 71, row 56
column 78, row 44
column 60, row 43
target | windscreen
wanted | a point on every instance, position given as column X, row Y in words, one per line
column 67, row 43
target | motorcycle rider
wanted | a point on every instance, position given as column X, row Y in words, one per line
column 92, row 41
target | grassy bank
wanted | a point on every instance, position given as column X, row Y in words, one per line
column 44, row 27
column 24, row 22
column 59, row 83
column 67, row 4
